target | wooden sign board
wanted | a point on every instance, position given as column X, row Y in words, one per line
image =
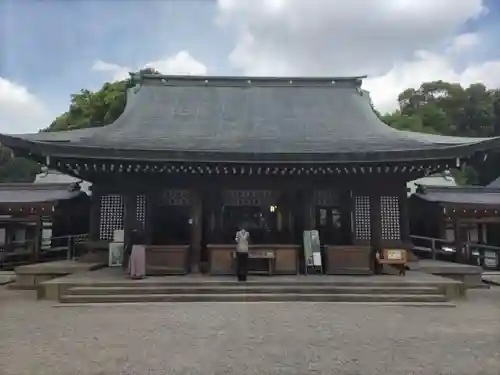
column 394, row 256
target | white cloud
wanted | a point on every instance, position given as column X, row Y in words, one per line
column 118, row 72
column 180, row 64
column 398, row 43
column 20, row 110
column 425, row 67
column 464, row 42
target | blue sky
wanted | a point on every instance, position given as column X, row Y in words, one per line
column 49, row 47
column 56, row 42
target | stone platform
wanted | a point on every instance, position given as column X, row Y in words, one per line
column 470, row 275
column 491, row 277
column 112, row 285
column 30, row 276
column 6, row 277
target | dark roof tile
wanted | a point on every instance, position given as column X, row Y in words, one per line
column 36, row 193
column 268, row 116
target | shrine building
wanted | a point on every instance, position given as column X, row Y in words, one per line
column 191, row 159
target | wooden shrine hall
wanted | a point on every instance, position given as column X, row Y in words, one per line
column 458, row 214
column 191, row 159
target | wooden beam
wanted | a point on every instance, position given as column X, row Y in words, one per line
column 95, row 213
column 375, row 225
column 196, row 200
column 404, row 216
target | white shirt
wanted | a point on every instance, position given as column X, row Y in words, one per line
column 241, row 239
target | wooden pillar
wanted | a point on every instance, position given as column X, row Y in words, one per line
column 480, row 233
column 404, row 218
column 95, row 214
column 129, row 220
column 130, row 214
column 196, row 200
column 375, row 227
column 346, row 216
column 285, row 212
column 152, row 199
column 38, row 240
column 458, row 240
column 309, row 219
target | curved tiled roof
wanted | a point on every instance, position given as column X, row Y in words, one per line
column 460, row 195
column 37, row 193
column 229, row 118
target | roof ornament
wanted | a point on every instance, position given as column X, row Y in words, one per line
column 135, row 79
column 44, row 171
column 45, row 168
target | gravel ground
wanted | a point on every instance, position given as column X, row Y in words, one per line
column 249, row 338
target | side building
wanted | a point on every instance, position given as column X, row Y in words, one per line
column 193, row 158
column 459, row 215
column 36, row 220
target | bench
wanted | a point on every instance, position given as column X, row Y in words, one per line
column 267, row 256
column 398, row 258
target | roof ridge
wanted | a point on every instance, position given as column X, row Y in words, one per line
column 145, row 78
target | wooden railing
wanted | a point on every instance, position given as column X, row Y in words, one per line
column 18, row 253
column 485, row 256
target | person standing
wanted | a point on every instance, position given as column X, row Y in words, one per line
column 137, row 259
column 242, row 238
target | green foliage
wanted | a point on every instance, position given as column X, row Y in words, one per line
column 16, row 169
column 466, row 176
column 92, row 109
column 450, row 109
column 86, row 109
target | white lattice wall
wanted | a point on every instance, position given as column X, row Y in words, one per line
column 362, row 217
column 112, row 213
column 140, row 210
column 389, row 217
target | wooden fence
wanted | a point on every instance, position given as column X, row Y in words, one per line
column 32, row 251
column 485, row 256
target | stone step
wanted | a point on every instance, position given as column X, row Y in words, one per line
column 249, row 289
column 268, row 282
column 281, row 297
column 378, row 304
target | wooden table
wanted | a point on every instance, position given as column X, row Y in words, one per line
column 260, row 255
column 284, row 258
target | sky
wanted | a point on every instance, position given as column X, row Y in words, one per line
column 50, row 49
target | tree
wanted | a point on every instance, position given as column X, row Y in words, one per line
column 93, row 109
column 16, row 169
column 86, row 109
column 449, row 109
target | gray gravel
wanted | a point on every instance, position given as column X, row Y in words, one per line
column 251, row 338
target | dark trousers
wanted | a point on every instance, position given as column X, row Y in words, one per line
column 241, row 266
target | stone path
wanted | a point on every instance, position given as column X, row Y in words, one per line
column 249, row 338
